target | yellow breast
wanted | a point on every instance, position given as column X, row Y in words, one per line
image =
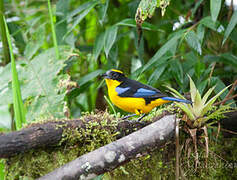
column 130, row 104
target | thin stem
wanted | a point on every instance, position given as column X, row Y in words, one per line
column 53, row 30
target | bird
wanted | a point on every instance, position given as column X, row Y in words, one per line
column 133, row 96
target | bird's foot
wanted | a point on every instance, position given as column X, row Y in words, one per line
column 128, row 116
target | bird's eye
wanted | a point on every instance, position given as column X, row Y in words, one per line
column 115, row 75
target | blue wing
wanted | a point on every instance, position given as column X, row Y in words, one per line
column 141, row 92
column 121, row 90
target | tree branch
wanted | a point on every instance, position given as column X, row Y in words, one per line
column 116, row 153
column 50, row 134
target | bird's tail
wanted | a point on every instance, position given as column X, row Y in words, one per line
column 177, row 100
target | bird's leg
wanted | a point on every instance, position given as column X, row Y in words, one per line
column 128, row 116
column 141, row 117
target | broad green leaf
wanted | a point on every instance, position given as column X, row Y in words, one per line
column 19, row 110
column 40, row 80
column 109, row 39
column 144, row 10
column 89, row 77
column 165, row 48
column 156, row 74
column 98, row 46
column 35, row 43
column 193, row 41
column 145, row 25
column 230, row 27
column 5, row 120
column 211, row 101
column 215, row 6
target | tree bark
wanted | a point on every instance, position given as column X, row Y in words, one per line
column 116, row 153
column 50, row 134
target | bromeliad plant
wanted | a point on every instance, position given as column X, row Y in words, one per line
column 198, row 113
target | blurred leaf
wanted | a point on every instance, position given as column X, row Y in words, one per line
column 197, row 4
column 144, row 10
column 199, row 68
column 201, row 86
column 208, row 22
column 230, row 27
column 233, row 36
column 177, row 71
column 145, row 25
column 87, row 7
column 2, row 169
column 98, row 46
column 109, row 39
column 89, row 77
column 230, row 59
column 35, row 43
column 193, row 41
column 156, row 74
column 62, row 9
column 165, row 48
column 103, row 11
column 200, row 32
column 215, row 8
column 219, row 86
column 226, row 58
column 17, row 33
column 5, row 120
column 113, row 55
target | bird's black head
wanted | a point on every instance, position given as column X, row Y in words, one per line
column 114, row 75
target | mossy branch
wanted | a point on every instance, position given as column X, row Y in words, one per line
column 118, row 152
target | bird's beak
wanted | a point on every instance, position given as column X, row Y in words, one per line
column 105, row 75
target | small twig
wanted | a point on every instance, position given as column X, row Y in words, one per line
column 232, row 88
column 229, row 131
column 193, row 133
column 226, row 99
column 206, row 144
column 218, row 131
